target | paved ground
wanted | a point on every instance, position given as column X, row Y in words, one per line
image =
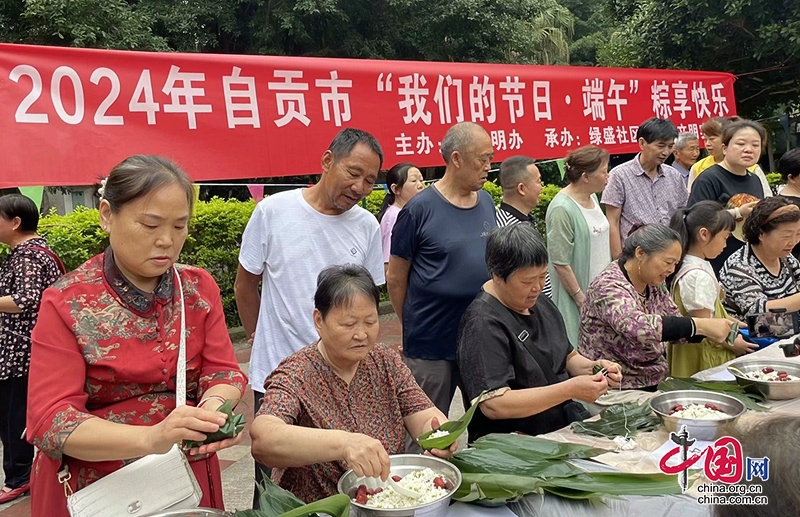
column 236, row 462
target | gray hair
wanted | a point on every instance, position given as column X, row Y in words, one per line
column 651, row 238
column 458, row 138
column 514, row 247
column 344, row 142
column 683, row 140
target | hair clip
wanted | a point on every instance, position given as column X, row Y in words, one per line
column 102, row 190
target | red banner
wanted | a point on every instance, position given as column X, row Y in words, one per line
column 68, row 115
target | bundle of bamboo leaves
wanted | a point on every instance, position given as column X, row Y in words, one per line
column 502, row 468
column 277, row 502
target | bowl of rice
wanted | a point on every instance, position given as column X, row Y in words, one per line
column 773, row 378
column 707, row 415
column 433, row 478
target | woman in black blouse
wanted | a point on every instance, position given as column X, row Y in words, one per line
column 31, row 268
column 741, row 143
column 512, row 344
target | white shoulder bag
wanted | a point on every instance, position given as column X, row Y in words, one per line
column 151, row 484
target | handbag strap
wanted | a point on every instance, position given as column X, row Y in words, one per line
column 180, row 379
column 522, row 335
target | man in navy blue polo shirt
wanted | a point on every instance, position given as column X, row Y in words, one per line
column 437, row 265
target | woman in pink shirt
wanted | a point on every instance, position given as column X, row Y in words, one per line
column 404, row 181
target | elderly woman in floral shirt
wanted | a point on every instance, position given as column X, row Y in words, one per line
column 342, row 402
column 630, row 315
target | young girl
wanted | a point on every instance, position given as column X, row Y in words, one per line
column 404, row 182
column 704, row 229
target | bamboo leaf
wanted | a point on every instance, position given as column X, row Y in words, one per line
column 618, row 483
column 504, row 468
column 335, row 506
column 277, row 502
column 455, row 428
column 499, row 462
column 620, row 420
column 535, row 448
column 495, row 487
column 273, row 501
column 509, row 488
column 233, row 426
column 750, row 399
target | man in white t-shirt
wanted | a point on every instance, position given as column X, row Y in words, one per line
column 294, row 235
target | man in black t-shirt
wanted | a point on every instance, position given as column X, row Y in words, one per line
column 437, row 264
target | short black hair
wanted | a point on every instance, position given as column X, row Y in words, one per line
column 756, row 223
column 789, row 164
column 514, row 171
column 730, row 128
column 344, row 142
column 17, row 205
column 338, row 285
column 657, row 130
column 514, row 247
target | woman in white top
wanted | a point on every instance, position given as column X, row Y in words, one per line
column 578, row 238
column 403, row 181
column 704, row 229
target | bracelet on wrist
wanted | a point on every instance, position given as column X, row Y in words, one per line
column 211, row 397
column 576, row 292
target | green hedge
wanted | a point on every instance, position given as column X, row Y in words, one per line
column 215, row 235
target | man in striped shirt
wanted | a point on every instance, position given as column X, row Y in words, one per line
column 522, row 184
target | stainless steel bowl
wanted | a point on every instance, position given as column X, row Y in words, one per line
column 770, row 389
column 403, row 464
column 707, row 430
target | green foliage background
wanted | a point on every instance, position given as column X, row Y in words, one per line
column 215, row 236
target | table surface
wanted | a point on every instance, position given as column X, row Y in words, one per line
column 642, row 459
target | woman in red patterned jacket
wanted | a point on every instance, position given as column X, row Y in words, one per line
column 105, row 349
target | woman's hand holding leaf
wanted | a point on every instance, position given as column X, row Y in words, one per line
column 441, row 453
column 228, row 434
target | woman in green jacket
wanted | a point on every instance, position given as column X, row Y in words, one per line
column 578, row 233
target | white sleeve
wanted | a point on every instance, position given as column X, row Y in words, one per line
column 374, row 259
column 698, row 291
column 253, row 253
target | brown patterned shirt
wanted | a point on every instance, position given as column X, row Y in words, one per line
column 305, row 391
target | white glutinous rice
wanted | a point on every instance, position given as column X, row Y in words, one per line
column 420, row 481
column 625, row 443
column 770, row 375
column 439, row 433
column 699, row 412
